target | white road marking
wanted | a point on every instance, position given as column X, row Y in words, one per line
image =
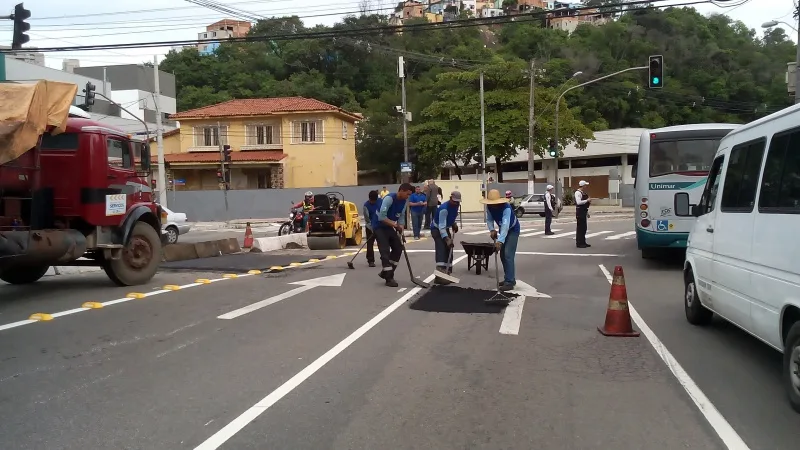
column 556, row 236
column 420, row 250
column 620, row 236
column 512, row 316
column 305, row 285
column 475, row 233
column 237, row 424
column 598, row 233
column 401, row 289
column 724, row 429
column 537, row 233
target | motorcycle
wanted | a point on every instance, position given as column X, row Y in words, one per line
column 294, row 224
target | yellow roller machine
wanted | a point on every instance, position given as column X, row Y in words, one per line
column 333, row 223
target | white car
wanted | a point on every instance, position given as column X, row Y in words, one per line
column 534, row 204
column 176, row 224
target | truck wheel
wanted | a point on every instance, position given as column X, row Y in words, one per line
column 791, row 365
column 23, row 275
column 140, row 258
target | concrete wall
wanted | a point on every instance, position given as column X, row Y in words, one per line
column 209, row 206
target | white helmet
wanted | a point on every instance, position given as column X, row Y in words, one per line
column 309, row 194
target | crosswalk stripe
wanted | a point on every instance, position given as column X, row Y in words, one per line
column 475, row 233
column 537, row 233
column 556, row 236
column 598, row 233
column 620, row 236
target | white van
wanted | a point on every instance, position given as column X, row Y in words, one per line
column 743, row 254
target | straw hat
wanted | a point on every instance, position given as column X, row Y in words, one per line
column 494, row 198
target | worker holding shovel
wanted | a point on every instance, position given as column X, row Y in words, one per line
column 500, row 212
column 443, row 219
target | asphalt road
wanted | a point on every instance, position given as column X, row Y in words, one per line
column 343, row 362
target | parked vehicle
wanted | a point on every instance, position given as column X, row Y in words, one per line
column 672, row 159
column 72, row 191
column 534, row 204
column 175, row 225
column 742, row 252
column 294, row 224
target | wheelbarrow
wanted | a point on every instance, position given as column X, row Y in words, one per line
column 478, row 254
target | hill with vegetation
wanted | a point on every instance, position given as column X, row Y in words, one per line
column 716, row 70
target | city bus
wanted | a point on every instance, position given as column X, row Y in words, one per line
column 671, row 159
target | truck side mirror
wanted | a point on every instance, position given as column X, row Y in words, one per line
column 682, row 207
column 146, row 157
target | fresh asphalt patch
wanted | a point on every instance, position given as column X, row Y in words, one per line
column 454, row 299
column 242, row 262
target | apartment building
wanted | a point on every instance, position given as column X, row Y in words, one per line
column 30, row 57
column 221, row 30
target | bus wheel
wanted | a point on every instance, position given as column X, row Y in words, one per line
column 140, row 258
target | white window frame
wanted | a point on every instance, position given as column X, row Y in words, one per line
column 299, row 136
column 199, row 133
column 271, row 138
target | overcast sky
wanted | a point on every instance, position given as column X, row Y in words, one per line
column 57, row 23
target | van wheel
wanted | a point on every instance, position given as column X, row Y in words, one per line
column 696, row 313
column 791, row 365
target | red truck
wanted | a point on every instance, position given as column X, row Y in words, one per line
column 73, row 192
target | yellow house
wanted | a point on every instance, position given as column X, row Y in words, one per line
column 287, row 142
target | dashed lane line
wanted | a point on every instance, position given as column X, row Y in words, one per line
column 88, row 306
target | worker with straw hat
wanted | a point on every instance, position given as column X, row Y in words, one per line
column 500, row 212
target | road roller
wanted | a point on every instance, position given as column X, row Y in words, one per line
column 333, row 223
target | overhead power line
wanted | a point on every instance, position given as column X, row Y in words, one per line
column 367, row 31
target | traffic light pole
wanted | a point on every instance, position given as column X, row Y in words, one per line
column 531, row 165
column 222, row 165
column 558, row 104
column 162, row 175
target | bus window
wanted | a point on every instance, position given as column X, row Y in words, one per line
column 667, row 157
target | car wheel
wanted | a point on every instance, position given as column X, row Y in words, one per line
column 791, row 365
column 172, row 234
column 519, row 212
column 696, row 313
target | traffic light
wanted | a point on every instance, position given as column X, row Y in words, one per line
column 20, row 27
column 226, row 153
column 656, row 79
column 153, row 184
column 220, row 176
column 88, row 98
column 553, row 148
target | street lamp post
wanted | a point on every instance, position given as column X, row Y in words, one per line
column 558, row 104
column 773, row 23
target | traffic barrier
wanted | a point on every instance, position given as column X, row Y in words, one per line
column 180, row 252
column 269, row 244
column 618, row 317
column 207, row 249
column 229, row 246
column 248, row 237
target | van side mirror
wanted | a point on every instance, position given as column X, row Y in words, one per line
column 682, row 206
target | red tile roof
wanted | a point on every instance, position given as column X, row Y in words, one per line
column 213, row 157
column 260, row 107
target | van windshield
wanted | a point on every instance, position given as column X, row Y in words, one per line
column 683, row 157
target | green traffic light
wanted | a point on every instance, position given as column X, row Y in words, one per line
column 656, row 80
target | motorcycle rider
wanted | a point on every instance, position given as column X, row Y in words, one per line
column 308, row 205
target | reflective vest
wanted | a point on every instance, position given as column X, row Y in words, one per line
column 393, row 214
column 497, row 215
column 452, row 214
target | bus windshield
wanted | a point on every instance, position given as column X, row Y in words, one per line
column 684, row 157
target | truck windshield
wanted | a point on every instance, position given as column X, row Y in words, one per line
column 686, row 157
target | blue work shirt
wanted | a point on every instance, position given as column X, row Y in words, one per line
column 445, row 217
column 417, row 198
column 504, row 216
column 391, row 208
column 370, row 213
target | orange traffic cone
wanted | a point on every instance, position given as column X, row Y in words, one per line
column 618, row 317
column 248, row 237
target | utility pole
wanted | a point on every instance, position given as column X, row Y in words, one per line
column 531, row 174
column 402, row 73
column 483, row 141
column 558, row 104
column 222, row 165
column 161, row 182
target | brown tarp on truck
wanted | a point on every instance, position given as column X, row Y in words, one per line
column 27, row 110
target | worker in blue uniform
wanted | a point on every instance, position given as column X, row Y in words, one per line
column 500, row 212
column 443, row 219
column 388, row 226
column 370, row 211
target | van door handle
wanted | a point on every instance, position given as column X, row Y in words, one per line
column 710, row 229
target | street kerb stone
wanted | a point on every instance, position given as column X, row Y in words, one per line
column 239, row 262
column 179, row 252
column 453, row 299
column 228, row 246
column 207, row 249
